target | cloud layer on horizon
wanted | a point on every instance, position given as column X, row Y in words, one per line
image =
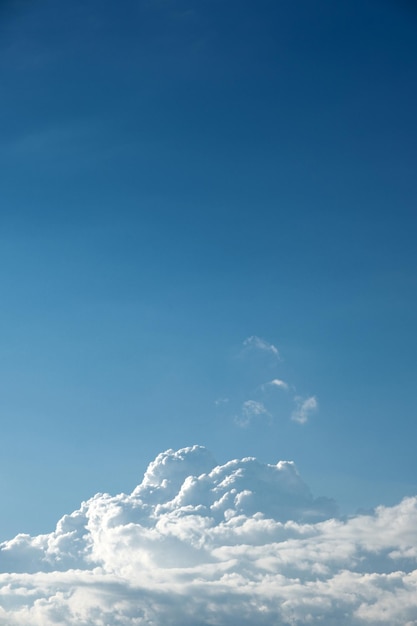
column 197, row 543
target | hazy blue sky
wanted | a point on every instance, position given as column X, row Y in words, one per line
column 199, row 198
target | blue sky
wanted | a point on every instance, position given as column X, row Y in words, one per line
column 180, row 177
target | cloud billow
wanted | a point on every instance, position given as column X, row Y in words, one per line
column 197, row 543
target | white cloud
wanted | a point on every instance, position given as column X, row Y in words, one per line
column 256, row 343
column 197, row 544
column 251, row 409
column 304, row 408
column 277, row 383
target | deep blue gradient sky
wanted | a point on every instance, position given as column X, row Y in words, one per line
column 178, row 176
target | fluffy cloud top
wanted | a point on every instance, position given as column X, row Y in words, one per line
column 202, row 544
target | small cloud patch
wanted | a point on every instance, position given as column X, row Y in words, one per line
column 304, row 408
column 256, row 343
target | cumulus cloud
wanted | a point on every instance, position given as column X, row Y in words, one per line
column 304, row 408
column 251, row 409
column 199, row 544
column 256, row 343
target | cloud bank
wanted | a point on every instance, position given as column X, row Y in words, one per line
column 199, row 544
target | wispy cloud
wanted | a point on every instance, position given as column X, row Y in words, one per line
column 262, row 361
column 221, row 401
column 250, row 410
column 304, row 408
column 256, row 343
column 277, row 383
